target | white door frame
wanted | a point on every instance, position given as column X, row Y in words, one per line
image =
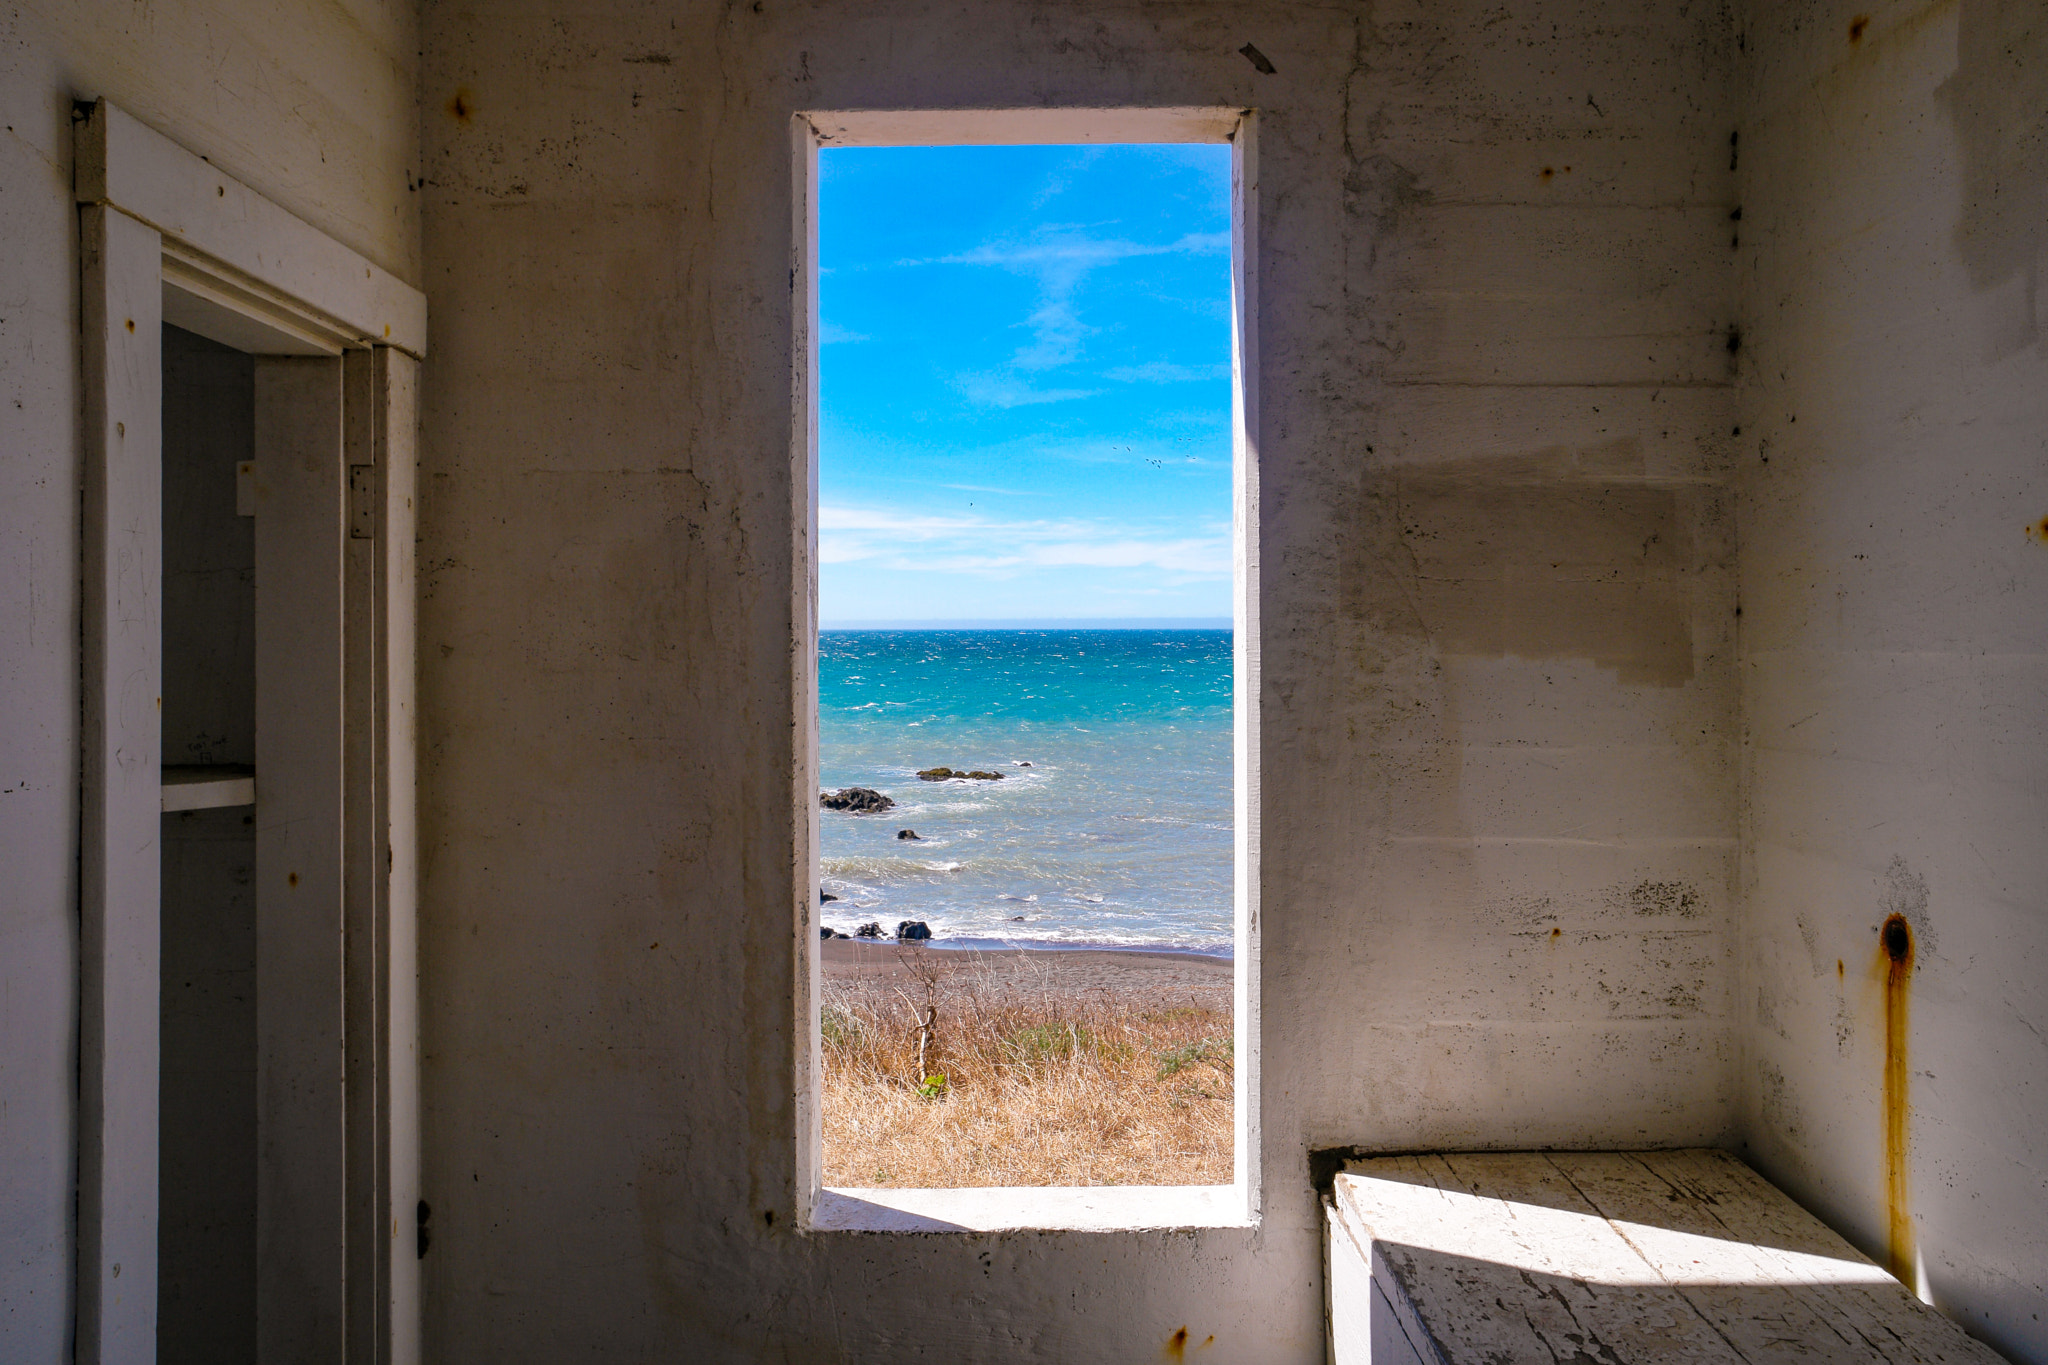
column 166, row 237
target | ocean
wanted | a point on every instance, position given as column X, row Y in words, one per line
column 1111, row 826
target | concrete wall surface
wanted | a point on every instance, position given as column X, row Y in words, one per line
column 1499, row 759
column 1894, row 479
column 318, row 113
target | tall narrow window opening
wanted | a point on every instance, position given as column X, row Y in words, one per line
column 1028, row 680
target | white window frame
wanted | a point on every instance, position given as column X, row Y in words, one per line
column 167, row 237
column 1238, row 1204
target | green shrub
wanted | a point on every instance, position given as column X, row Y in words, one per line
column 1045, row 1043
column 1180, row 1059
column 838, row 1026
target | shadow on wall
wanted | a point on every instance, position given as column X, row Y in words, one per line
column 1554, row 555
column 1997, row 101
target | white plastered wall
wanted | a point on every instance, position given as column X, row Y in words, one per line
column 316, row 114
column 1477, row 731
column 1893, row 469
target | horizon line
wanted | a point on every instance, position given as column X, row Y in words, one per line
column 1038, row 623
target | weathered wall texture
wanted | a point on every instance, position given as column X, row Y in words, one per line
column 1500, row 798
column 314, row 107
column 1894, row 479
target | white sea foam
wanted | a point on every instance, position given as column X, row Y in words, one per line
column 1120, row 832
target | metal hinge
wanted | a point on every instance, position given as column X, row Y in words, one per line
column 362, row 502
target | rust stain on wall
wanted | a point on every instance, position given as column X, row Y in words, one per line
column 2039, row 530
column 1177, row 1345
column 1895, row 950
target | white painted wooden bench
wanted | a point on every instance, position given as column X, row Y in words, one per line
column 1605, row 1258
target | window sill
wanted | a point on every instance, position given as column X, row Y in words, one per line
column 1099, row 1208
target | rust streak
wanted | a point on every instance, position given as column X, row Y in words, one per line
column 1895, row 942
column 1177, row 1345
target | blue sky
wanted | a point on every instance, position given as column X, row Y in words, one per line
column 1025, row 382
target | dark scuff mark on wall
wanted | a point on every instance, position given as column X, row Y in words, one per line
column 1780, row 1112
column 1895, row 952
column 1665, row 898
column 462, row 105
column 1997, row 102
column 1905, row 894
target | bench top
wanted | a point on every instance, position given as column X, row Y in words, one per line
column 1615, row 1258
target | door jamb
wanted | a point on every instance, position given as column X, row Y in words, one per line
column 166, row 236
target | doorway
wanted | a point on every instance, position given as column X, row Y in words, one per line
column 248, row 1118
column 207, row 1122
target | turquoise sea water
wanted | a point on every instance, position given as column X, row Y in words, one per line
column 1112, row 824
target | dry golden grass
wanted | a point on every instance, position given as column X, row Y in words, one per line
column 1041, row 1085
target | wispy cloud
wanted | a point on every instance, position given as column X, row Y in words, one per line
column 831, row 333
column 1058, row 248
column 1059, row 257
column 1166, row 372
column 1059, row 182
column 1006, row 391
column 989, row 547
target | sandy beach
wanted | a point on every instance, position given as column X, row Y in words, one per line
column 1142, row 978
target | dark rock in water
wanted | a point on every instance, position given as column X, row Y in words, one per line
column 979, row 776
column 827, row 931
column 868, row 930
column 913, row 929
column 906, row 834
column 858, row 800
column 824, row 896
column 948, row 774
column 1023, row 762
column 1016, row 919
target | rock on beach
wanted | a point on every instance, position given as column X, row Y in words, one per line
column 857, row 800
column 948, row 774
